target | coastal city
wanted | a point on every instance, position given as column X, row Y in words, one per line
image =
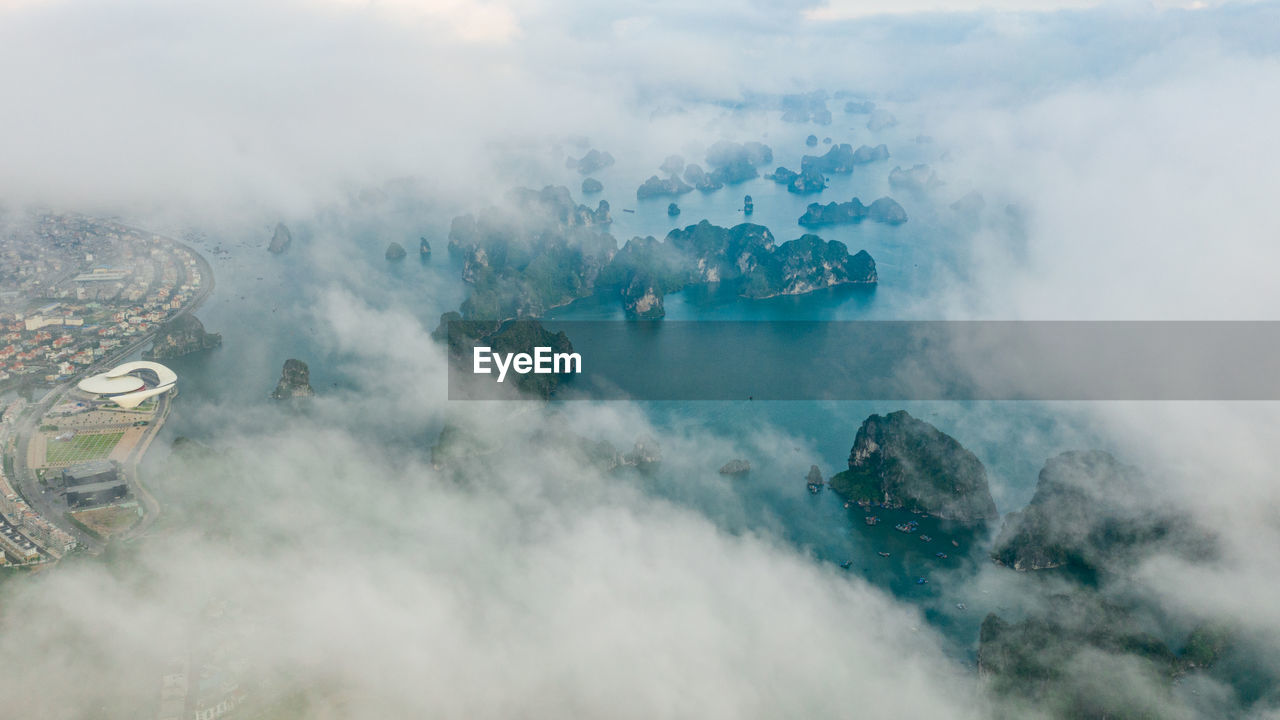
column 78, row 295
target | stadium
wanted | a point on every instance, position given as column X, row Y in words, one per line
column 129, row 384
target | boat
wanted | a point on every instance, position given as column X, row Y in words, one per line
column 922, row 581
column 940, row 555
column 883, row 554
column 628, row 210
column 955, row 544
column 871, row 519
column 846, row 564
column 961, row 606
column 926, row 538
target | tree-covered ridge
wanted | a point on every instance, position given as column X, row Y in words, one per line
column 1064, row 657
column 902, row 461
column 744, row 256
column 1091, row 521
column 543, row 250
column 539, row 251
column 1093, row 514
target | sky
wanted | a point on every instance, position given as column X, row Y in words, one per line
column 1135, row 138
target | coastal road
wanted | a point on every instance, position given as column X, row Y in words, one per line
column 46, row 501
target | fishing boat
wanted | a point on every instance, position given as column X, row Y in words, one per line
column 883, row 554
column 926, row 538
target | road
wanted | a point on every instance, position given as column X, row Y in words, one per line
column 47, row 502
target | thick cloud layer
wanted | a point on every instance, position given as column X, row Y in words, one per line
column 361, row 581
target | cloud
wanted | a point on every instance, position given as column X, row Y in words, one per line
column 1140, row 157
column 855, row 9
column 353, row 572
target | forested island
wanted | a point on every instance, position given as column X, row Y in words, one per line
column 183, row 335
column 542, row 250
column 900, row 461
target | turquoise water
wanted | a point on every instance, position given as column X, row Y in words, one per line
column 264, row 306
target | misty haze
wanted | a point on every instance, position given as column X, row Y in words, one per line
column 252, row 252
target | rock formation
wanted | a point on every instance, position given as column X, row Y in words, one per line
column 802, row 183
column 1092, row 514
column 866, row 154
column 901, row 461
column 885, row 210
column 395, row 252
column 181, row 336
column 594, row 161
column 295, row 381
column 697, row 177
column 659, row 187
column 919, row 179
column 281, row 240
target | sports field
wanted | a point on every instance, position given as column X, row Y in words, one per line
column 81, row 448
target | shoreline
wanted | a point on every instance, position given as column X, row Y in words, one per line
column 22, row 434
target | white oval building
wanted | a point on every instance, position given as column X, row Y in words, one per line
column 129, row 384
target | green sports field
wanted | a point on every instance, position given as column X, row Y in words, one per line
column 81, row 448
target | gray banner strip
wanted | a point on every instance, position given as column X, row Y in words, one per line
column 899, row 360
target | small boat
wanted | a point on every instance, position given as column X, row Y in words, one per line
column 629, row 210
column 961, row 606
column 922, row 581
column 846, row 564
column 926, row 538
column 955, row 544
column 883, row 554
column 871, row 519
column 940, row 555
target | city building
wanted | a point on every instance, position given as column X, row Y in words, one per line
column 129, row 384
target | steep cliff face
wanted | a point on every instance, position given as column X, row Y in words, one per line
column 295, row 381
column 182, row 336
column 538, row 251
column 395, row 252
column 281, row 239
column 642, row 298
column 806, row 264
column 899, row 460
column 1093, row 514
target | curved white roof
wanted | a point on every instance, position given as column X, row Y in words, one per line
column 104, row 384
column 128, row 390
column 165, row 375
column 134, row 399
